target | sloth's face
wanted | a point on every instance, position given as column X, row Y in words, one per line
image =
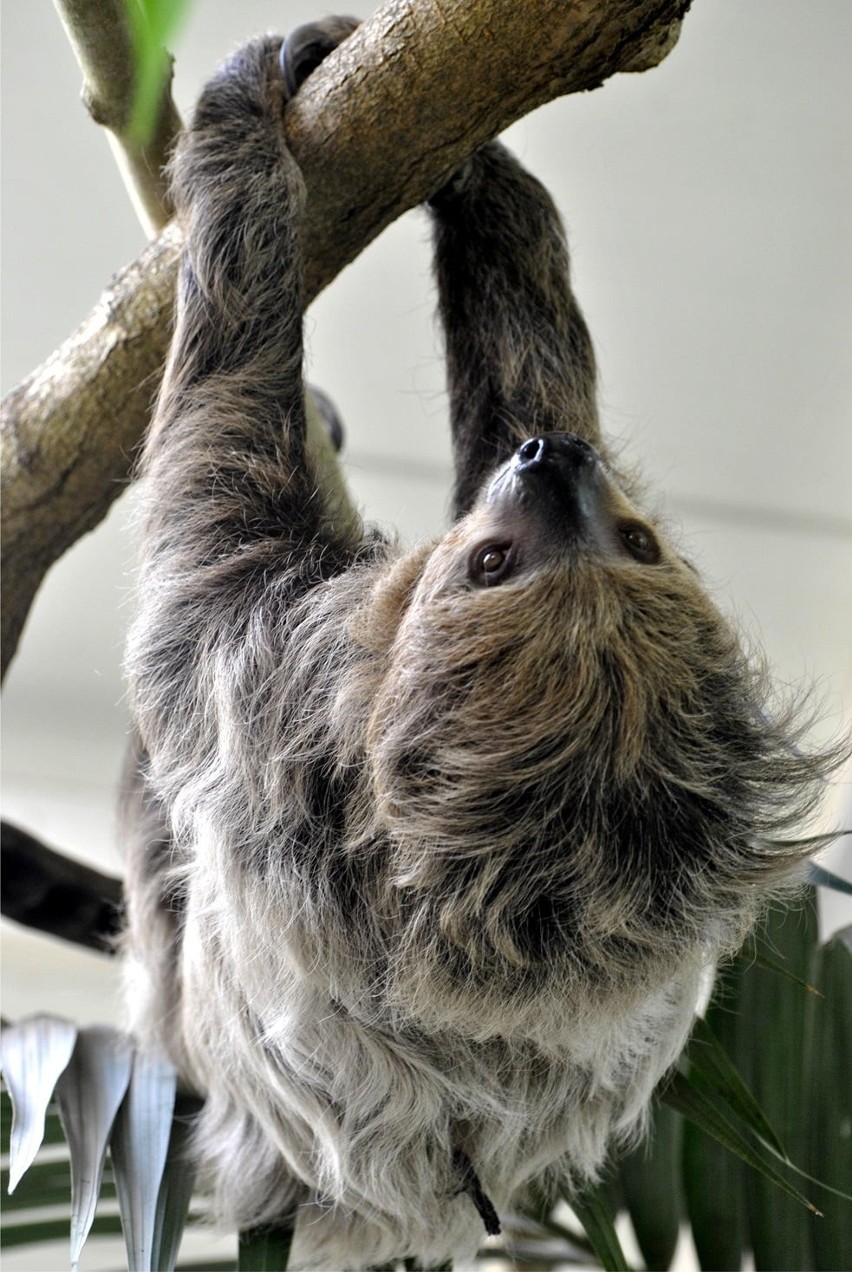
column 553, row 615
column 569, row 750
column 553, row 506
column 556, row 495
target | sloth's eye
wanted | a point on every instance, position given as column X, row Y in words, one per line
column 639, row 542
column 491, row 564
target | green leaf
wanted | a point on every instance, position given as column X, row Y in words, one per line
column 828, row 1092
column 651, row 1186
column 712, row 1178
column 711, row 1070
column 153, row 25
column 770, row 1029
column 138, row 1147
column 597, row 1221
column 47, row 1183
column 44, row 1184
column 34, row 1053
column 38, row 1230
column 219, row 1265
column 89, row 1094
column 175, row 1187
column 825, row 879
column 752, row 955
column 265, row 1249
column 695, row 1105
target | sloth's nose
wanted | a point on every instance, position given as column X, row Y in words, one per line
column 532, row 452
column 564, row 450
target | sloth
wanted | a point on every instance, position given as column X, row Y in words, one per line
column 431, row 851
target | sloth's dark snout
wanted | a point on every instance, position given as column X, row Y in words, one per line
column 562, row 453
column 558, row 477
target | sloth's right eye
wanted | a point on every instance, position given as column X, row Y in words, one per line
column 640, row 542
column 491, row 564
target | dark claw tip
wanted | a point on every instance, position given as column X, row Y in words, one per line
column 309, row 45
column 330, row 416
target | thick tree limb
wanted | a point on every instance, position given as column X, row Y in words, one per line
column 386, row 118
column 68, row 432
column 396, row 108
column 99, row 33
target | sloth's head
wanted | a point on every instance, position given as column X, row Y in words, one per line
column 573, row 757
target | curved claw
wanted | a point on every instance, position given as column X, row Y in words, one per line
column 330, row 416
column 306, row 47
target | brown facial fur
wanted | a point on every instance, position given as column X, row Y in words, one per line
column 553, row 762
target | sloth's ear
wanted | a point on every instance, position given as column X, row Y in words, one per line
column 376, row 623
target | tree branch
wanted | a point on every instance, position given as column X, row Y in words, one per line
column 378, row 127
column 99, row 33
column 69, row 431
column 55, row 894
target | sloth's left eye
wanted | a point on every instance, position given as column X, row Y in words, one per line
column 640, row 542
column 491, row 564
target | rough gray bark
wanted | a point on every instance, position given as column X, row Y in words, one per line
column 385, row 119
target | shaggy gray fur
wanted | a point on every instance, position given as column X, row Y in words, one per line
column 433, row 848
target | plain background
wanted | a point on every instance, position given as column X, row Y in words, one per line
column 707, row 204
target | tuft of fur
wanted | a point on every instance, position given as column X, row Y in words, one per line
column 421, row 871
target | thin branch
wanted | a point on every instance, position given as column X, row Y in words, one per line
column 378, row 127
column 100, row 37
